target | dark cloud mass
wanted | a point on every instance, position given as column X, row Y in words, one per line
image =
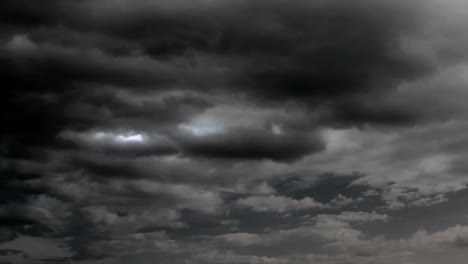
column 218, row 131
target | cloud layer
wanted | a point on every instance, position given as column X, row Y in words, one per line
column 233, row 131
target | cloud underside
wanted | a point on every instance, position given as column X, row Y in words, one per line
column 233, row 131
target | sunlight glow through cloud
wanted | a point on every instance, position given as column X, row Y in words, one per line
column 201, row 131
column 120, row 138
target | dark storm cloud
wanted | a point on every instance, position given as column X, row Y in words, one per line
column 252, row 144
column 321, row 54
column 58, row 66
column 131, row 127
column 25, row 13
column 315, row 49
column 17, row 182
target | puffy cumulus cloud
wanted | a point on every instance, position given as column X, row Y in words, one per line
column 350, row 246
column 233, row 131
column 242, row 239
column 230, row 257
column 137, row 203
column 130, row 221
column 133, row 243
column 409, row 167
column 400, row 198
column 452, row 236
column 99, row 215
column 320, row 234
column 277, row 204
column 351, row 217
column 185, row 196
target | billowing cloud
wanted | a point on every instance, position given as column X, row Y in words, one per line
column 278, row 204
column 233, row 131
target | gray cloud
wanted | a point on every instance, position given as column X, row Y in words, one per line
column 233, row 131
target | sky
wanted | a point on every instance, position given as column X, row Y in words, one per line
column 234, row 131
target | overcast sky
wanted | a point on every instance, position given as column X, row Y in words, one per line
column 234, row 131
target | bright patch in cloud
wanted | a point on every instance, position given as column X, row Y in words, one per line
column 201, row 131
column 120, row 138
